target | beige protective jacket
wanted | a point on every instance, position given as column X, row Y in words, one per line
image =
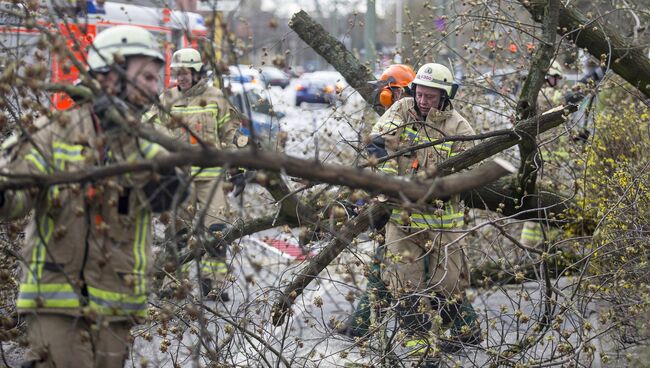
column 87, row 247
column 205, row 110
column 401, row 127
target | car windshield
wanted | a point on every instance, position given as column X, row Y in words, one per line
column 273, row 73
column 237, row 102
column 258, row 102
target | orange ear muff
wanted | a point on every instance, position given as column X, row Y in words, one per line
column 386, row 97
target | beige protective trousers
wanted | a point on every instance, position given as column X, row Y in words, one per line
column 424, row 270
column 58, row 340
column 415, row 253
column 216, row 208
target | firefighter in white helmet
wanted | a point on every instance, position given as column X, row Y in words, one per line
column 550, row 96
column 425, row 264
column 88, row 246
column 202, row 115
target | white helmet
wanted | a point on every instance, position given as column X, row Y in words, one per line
column 187, row 58
column 122, row 40
column 436, row 76
column 555, row 70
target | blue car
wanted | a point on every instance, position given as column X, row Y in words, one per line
column 319, row 87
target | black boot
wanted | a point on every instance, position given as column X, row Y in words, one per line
column 206, row 286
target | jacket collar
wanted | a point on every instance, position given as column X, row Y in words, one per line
column 196, row 90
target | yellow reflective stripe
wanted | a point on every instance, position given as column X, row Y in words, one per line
column 147, row 150
column 9, row 142
column 47, row 296
column 44, row 233
column 147, row 117
column 532, row 234
column 420, row 346
column 211, row 172
column 388, row 170
column 223, row 120
column 209, row 108
column 445, row 147
column 410, row 134
column 426, row 221
column 389, row 167
column 68, row 152
column 112, row 303
column 413, row 135
column 383, row 128
column 139, row 250
column 214, row 267
column 34, row 157
column 185, row 267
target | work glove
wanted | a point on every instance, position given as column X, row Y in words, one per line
column 380, row 222
column 583, row 136
column 574, row 97
column 220, row 249
column 377, row 147
column 108, row 110
column 238, row 180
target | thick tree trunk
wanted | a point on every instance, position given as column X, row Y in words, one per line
column 527, row 104
column 355, row 73
column 523, row 130
column 597, row 38
column 461, row 181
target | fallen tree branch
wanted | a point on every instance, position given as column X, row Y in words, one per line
column 526, row 128
column 238, row 230
column 372, row 214
column 597, row 38
column 332, row 50
column 308, row 169
column 527, row 103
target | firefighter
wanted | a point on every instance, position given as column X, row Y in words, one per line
column 203, row 116
column 88, row 246
column 424, row 254
column 393, row 84
column 550, row 96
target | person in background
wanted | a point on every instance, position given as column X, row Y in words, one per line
column 202, row 116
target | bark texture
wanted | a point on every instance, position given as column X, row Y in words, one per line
column 597, row 38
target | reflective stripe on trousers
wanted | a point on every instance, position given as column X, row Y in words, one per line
column 47, row 296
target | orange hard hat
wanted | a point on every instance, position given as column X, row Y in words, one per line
column 398, row 75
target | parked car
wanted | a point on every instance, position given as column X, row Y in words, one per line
column 252, row 102
column 319, row 87
column 273, row 76
column 244, row 74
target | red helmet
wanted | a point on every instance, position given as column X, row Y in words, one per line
column 397, row 75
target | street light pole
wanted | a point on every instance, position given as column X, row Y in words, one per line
column 398, row 25
column 369, row 34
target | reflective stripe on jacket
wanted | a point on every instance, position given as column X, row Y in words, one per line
column 207, row 113
column 85, row 245
column 400, row 128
